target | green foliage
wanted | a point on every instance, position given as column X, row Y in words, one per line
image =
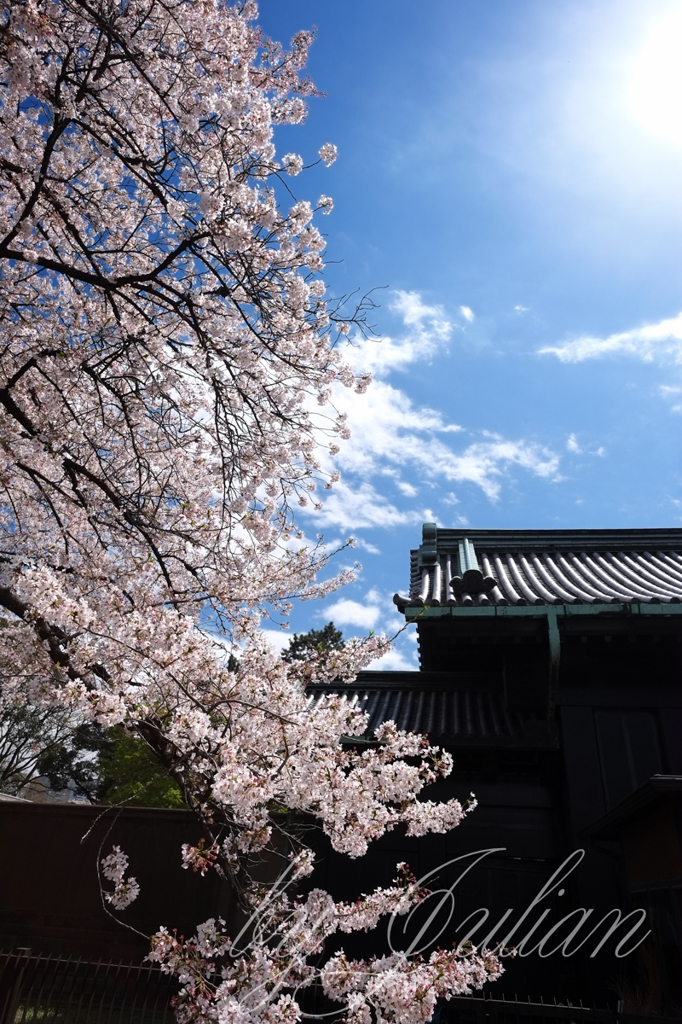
column 130, row 771
column 46, row 742
column 233, row 664
column 302, row 645
column 103, row 765
column 74, row 763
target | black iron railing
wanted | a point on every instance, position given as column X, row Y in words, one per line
column 63, row 990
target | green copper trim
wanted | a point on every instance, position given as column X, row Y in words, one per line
column 417, row 613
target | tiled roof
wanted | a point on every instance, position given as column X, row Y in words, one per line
column 466, row 711
column 499, row 567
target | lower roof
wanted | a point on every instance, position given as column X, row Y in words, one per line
column 463, row 708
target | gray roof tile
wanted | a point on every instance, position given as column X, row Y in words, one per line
column 546, row 567
column 470, row 714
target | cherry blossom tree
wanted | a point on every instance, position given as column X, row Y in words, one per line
column 166, row 365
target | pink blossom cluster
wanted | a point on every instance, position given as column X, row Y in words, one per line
column 158, row 302
column 200, row 857
column 395, row 988
column 221, row 983
column 126, row 891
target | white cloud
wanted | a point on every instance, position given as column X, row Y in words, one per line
column 364, row 545
column 521, row 309
column 277, row 639
column 397, row 435
column 485, row 462
column 385, row 426
column 395, row 661
column 381, row 356
column 407, row 445
column 376, row 611
column 467, row 313
column 672, row 392
column 354, row 508
column 427, row 330
column 406, row 488
column 661, row 341
column 574, row 447
column 346, row 612
column 393, row 439
column 414, row 313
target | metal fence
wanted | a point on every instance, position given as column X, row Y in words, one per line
column 63, row 990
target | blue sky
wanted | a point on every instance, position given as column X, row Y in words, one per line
column 511, row 172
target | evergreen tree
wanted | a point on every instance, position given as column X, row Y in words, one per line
column 315, row 641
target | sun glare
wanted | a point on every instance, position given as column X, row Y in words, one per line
column 656, row 85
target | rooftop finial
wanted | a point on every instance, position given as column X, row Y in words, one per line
column 429, row 549
column 471, row 580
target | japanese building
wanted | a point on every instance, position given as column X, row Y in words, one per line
column 550, row 668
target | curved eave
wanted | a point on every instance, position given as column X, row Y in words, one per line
column 416, row 612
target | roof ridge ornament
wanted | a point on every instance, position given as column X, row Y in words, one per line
column 471, row 580
column 428, row 552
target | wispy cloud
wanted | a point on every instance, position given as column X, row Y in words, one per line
column 661, row 341
column 416, row 314
column 467, row 313
column 428, row 329
column 672, row 392
column 371, row 549
column 575, row 448
column 384, row 422
column 485, row 463
column 348, row 508
column 406, row 450
column 352, row 613
column 392, row 438
column 405, row 488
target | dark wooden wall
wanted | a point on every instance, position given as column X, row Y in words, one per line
column 49, row 893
